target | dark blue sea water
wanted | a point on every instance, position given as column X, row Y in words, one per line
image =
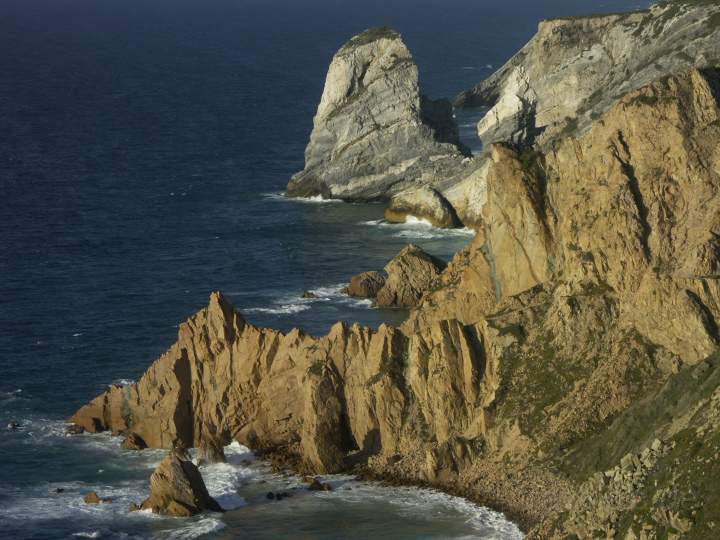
column 143, row 149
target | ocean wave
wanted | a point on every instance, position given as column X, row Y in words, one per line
column 282, row 309
column 414, row 503
column 11, row 395
column 419, row 228
column 316, row 199
column 195, row 529
column 122, row 382
column 292, row 303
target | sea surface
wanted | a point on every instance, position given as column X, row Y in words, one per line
column 144, row 149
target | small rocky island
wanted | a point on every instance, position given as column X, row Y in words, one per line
column 564, row 367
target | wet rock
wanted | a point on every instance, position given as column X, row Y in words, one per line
column 309, row 294
column 317, row 485
column 75, row 429
column 13, row 426
column 133, row 441
column 177, row 488
column 94, row 498
column 211, row 451
column 422, row 203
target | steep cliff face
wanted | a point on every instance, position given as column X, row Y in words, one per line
column 575, row 69
column 569, row 350
column 374, row 134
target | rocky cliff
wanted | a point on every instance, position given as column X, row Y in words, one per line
column 549, row 358
column 374, row 133
column 571, row 349
column 575, row 69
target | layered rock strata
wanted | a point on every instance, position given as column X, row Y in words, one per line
column 574, row 69
column 578, row 328
column 374, row 133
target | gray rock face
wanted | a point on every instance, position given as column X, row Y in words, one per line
column 374, row 134
column 575, row 69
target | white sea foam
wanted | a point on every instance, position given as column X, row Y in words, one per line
column 289, row 304
column 93, row 534
column 418, row 228
column 122, row 382
column 195, row 529
column 413, row 503
column 317, row 199
column 223, row 479
column 282, row 309
column 11, row 396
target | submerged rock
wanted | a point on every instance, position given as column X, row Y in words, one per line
column 177, row 488
column 373, row 129
column 317, row 485
column 422, row 203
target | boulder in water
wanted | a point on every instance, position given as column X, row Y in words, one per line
column 423, row 203
column 94, row 498
column 410, row 275
column 177, row 488
column 365, row 285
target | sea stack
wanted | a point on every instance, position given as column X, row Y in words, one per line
column 374, row 133
column 177, row 488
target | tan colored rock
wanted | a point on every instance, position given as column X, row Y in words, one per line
column 94, row 498
column 133, row 441
column 210, row 451
column 539, row 358
column 177, row 488
column 422, row 203
column 410, row 275
column 366, row 285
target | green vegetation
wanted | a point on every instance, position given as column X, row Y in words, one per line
column 637, row 425
column 370, row 35
column 393, row 367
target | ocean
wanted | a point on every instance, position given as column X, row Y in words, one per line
column 145, row 148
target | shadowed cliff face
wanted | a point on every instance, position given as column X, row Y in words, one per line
column 575, row 69
column 554, row 348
